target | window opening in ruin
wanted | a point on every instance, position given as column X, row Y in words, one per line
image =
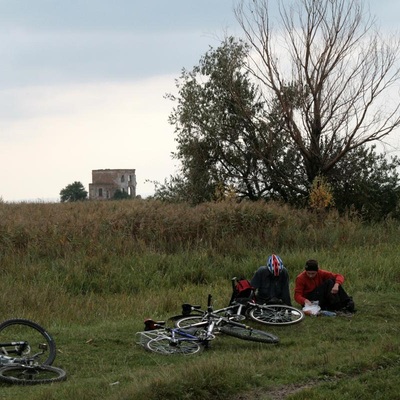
column 100, row 192
column 123, row 178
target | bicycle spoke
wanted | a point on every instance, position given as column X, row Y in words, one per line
column 31, row 375
column 276, row 315
column 166, row 346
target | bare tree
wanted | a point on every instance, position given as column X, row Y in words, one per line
column 331, row 71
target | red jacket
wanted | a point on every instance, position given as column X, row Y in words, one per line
column 305, row 285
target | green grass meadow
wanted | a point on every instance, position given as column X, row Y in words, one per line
column 92, row 272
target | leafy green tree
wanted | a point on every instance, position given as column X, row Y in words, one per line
column 121, row 195
column 73, row 192
column 368, row 183
column 224, row 135
column 240, row 125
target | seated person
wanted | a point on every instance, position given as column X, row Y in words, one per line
column 317, row 284
column 271, row 282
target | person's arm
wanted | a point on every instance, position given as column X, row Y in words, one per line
column 285, row 289
column 299, row 292
column 256, row 279
column 335, row 288
column 338, row 278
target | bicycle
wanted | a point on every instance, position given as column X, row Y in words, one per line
column 191, row 339
column 274, row 314
column 20, row 363
column 166, row 340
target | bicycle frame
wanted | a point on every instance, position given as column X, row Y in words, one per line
column 18, row 348
column 239, row 309
column 213, row 319
column 182, row 335
column 212, row 322
column 14, row 347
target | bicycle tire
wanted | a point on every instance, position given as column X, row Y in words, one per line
column 18, row 329
column 163, row 345
column 247, row 333
column 31, row 375
column 277, row 315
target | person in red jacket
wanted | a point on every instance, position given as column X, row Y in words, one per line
column 317, row 284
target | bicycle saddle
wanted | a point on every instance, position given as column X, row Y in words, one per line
column 187, row 308
column 150, row 324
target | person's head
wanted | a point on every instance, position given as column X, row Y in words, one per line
column 311, row 268
column 274, row 264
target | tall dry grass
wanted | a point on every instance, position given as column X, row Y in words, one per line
column 54, row 254
column 100, row 229
column 91, row 272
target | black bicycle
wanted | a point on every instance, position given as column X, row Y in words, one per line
column 192, row 338
column 27, row 351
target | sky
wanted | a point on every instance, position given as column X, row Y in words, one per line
column 83, row 84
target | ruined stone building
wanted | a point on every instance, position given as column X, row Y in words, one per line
column 105, row 182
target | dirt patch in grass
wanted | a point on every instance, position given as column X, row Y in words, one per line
column 279, row 393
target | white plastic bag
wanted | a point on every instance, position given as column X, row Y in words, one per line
column 312, row 309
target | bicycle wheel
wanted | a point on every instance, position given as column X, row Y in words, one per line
column 276, row 314
column 165, row 346
column 247, row 333
column 31, row 375
column 37, row 338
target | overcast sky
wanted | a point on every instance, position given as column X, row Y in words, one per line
column 82, row 85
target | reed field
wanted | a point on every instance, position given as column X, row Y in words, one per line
column 91, row 272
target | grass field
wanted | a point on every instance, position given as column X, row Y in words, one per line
column 91, row 273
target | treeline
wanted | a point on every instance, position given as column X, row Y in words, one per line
column 254, row 122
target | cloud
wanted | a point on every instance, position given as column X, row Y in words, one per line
column 76, row 57
column 82, row 85
column 123, row 15
column 69, row 130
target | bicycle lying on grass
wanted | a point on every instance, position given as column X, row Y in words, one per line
column 192, row 338
column 243, row 307
column 26, row 353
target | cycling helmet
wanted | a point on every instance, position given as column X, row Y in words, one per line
column 274, row 264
